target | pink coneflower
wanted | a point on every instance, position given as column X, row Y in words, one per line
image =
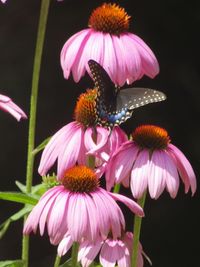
column 80, row 208
column 123, row 55
column 9, row 106
column 112, row 251
column 152, row 162
column 72, row 142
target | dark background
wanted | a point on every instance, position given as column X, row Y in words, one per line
column 170, row 232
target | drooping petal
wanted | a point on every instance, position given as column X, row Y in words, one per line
column 172, row 179
column 139, row 174
column 102, row 215
column 157, row 177
column 69, row 154
column 120, row 60
column 69, row 51
column 54, row 147
column 121, row 163
column 110, row 253
column 57, row 222
column 47, row 210
column 33, row 219
column 185, row 169
column 132, row 59
column 150, row 65
column 131, row 204
column 92, row 218
column 102, row 137
column 115, row 220
column 77, row 217
column 88, row 251
column 9, row 106
column 65, row 245
column 109, row 59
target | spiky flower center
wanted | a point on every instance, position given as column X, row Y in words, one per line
column 151, row 137
column 85, row 111
column 80, row 179
column 109, row 18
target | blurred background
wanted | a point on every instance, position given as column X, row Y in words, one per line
column 170, row 230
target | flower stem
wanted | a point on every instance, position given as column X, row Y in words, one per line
column 33, row 108
column 136, row 232
column 57, row 261
column 116, row 188
column 74, row 254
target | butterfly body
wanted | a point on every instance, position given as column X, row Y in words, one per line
column 114, row 105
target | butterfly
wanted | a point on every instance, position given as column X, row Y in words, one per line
column 115, row 105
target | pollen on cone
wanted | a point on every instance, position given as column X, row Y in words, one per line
column 109, row 18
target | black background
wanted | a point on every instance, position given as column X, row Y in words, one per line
column 170, row 232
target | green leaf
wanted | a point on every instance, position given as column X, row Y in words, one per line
column 37, row 190
column 41, row 146
column 18, row 215
column 21, row 186
column 14, row 263
column 4, row 227
column 18, row 197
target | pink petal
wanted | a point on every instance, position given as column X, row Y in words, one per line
column 69, row 154
column 121, row 163
column 157, row 177
column 109, row 60
column 103, row 214
column 92, row 218
column 149, row 62
column 77, row 217
column 55, row 146
column 57, row 222
column 90, row 144
column 139, row 174
column 47, row 210
column 69, row 51
column 88, row 252
column 110, row 253
column 34, row 217
column 132, row 58
column 131, row 204
column 115, row 214
column 9, row 106
column 172, row 179
column 79, row 66
column 185, row 169
column 120, row 58
column 65, row 245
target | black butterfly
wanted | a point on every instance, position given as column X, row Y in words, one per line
column 115, row 105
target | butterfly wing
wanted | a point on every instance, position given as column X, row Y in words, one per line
column 106, row 91
column 114, row 106
column 132, row 98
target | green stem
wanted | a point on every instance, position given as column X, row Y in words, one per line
column 136, row 232
column 116, row 188
column 74, row 254
column 57, row 261
column 33, row 108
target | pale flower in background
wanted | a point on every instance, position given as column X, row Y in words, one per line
column 6, row 104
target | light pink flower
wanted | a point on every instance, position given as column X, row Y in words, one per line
column 124, row 55
column 9, row 106
column 74, row 142
column 79, row 208
column 112, row 251
column 151, row 161
column 67, row 146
